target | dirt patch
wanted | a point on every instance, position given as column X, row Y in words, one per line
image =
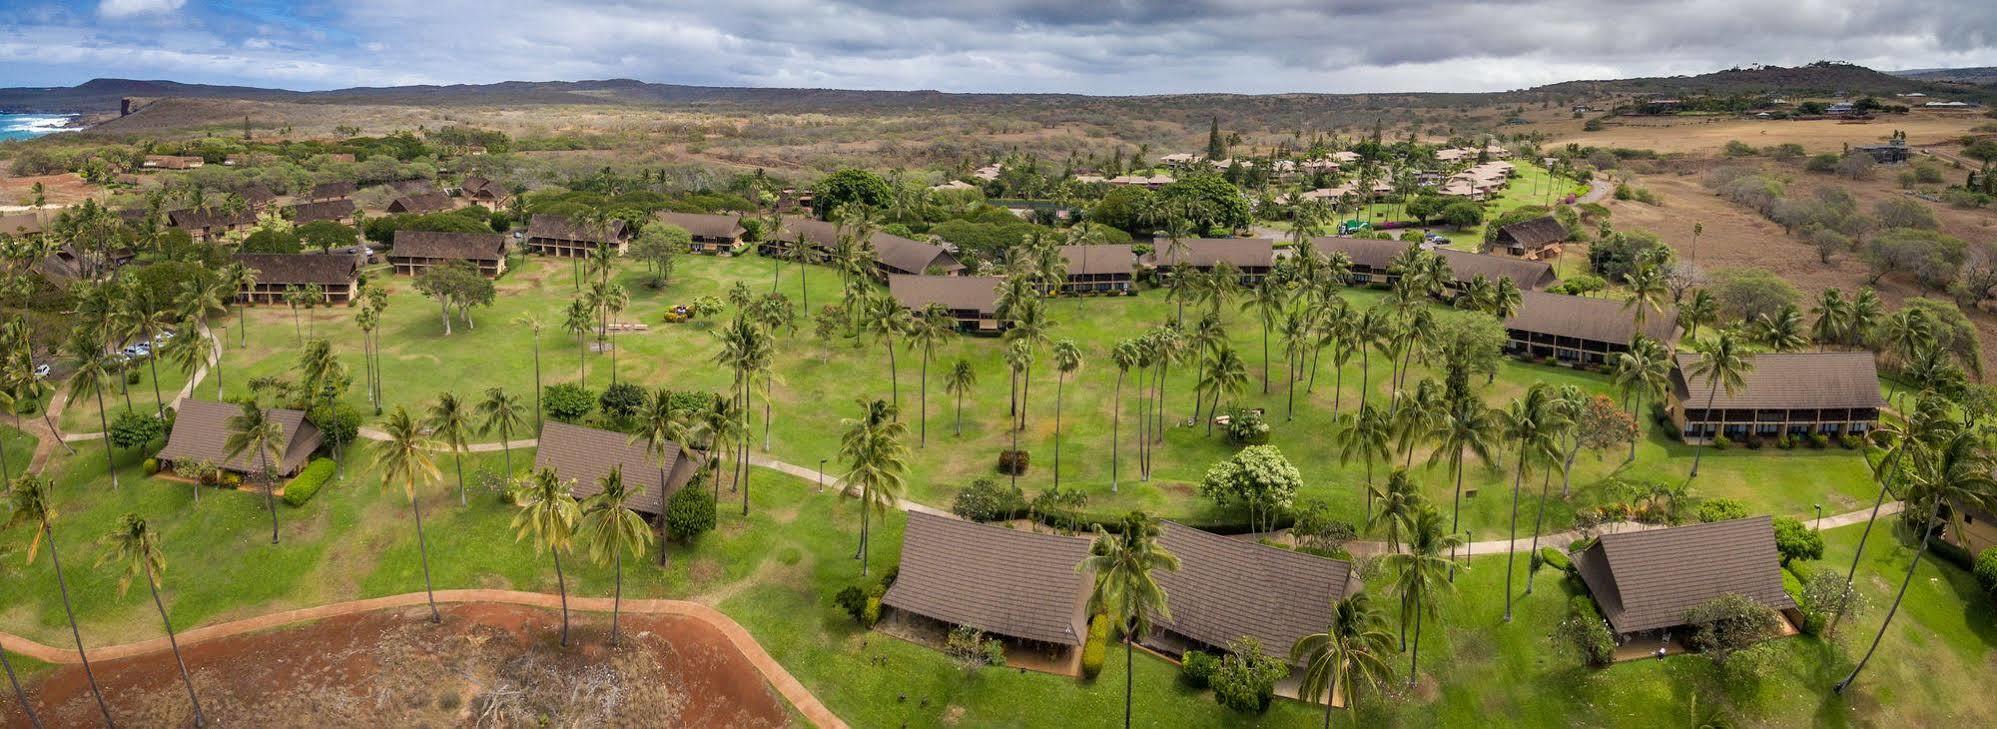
column 486, row 665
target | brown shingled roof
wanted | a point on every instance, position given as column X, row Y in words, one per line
column 1802, row 380
column 1099, row 259
column 1533, row 233
column 912, row 257
column 313, row 212
column 973, row 293
column 208, row 218
column 1228, row 588
column 332, row 189
column 704, row 225
column 1369, row 252
column 1014, row 583
column 1582, row 317
column 201, row 433
column 1649, row 579
column 454, row 246
column 1205, row 252
column 285, row 269
column 560, row 227
column 429, row 202
column 585, row 455
column 413, row 188
column 1528, row 275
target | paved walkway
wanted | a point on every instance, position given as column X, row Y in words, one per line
column 780, row 679
column 1597, row 190
column 1500, row 546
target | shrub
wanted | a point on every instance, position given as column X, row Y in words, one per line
column 972, row 649
column 132, row 377
column 1823, row 593
column 150, row 466
column 338, row 423
column 1315, row 530
column 1785, row 442
column 1097, row 648
column 853, row 600
column 986, row 499
column 1820, row 441
column 567, row 401
column 689, row 513
column 1721, row 509
column 133, row 429
column 1585, row 629
column 1196, row 668
column 1986, row 571
column 1721, row 442
column 621, row 401
column 308, row 482
column 1014, row 463
column 1247, row 427
column 1797, row 541
column 1246, row 679
column 1850, row 442
column 1729, row 623
column 1555, row 559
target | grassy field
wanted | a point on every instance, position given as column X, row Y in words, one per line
column 81, row 416
column 817, row 389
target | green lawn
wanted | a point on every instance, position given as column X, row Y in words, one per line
column 18, row 448
column 819, row 384
column 81, row 416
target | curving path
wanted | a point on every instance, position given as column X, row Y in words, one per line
column 787, row 685
column 57, row 403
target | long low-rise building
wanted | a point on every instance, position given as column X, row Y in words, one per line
column 560, row 236
column 1109, row 268
column 1647, row 581
column 583, row 456
column 1253, row 258
column 416, row 251
column 1794, row 394
column 818, row 241
column 339, row 210
column 1227, row 589
column 971, row 300
column 208, row 223
column 335, row 275
column 711, row 234
column 1372, row 264
column 1009, row 582
column 1581, row 331
column 201, row 435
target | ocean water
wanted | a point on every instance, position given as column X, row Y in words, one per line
column 23, row 126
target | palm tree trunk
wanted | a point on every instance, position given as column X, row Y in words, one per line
column 865, row 492
column 1025, row 393
column 1115, row 423
column 923, row 419
column 152, row 364
column 20, row 697
column 458, row 464
column 269, row 495
column 1158, row 413
column 582, row 358
column 562, row 586
column 1512, row 535
column 617, row 594
column 1538, row 520
column 83, row 657
column 537, row 381
column 960, row 413
column 1456, row 513
column 1852, row 573
column 1291, row 386
column 104, row 423
column 1265, row 353
column 174, row 643
column 1414, row 650
column 1927, row 535
column 423, row 551
column 1699, row 451
column 1365, row 376
column 1129, row 676
column 506, row 450
column 894, row 377
column 1060, row 384
column 242, row 325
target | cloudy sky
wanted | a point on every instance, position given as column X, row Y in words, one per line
column 1085, row 46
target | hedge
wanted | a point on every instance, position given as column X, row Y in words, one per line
column 1555, row 559
column 1097, row 649
column 308, row 482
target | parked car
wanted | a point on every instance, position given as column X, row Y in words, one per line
column 138, row 351
column 41, row 371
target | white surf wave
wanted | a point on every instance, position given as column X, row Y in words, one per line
column 34, row 123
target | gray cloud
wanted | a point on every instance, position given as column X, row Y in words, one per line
column 1102, row 47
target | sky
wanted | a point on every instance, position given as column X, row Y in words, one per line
column 1081, row 46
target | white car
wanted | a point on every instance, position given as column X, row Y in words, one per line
column 41, row 371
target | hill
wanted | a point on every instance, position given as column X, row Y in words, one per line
column 1821, row 79
column 1982, row 75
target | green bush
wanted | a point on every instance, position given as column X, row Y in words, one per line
column 1553, row 558
column 853, row 600
column 1729, row 623
column 689, row 513
column 567, row 401
column 150, row 466
column 1247, row 427
column 1721, row 509
column 1721, row 442
column 1986, row 571
column 986, row 499
column 308, row 482
column 872, row 614
column 1246, row 679
column 1196, row 668
column 133, row 429
column 1820, row 441
column 1850, row 442
column 1097, row 648
column 1797, row 541
column 1014, row 463
column 1585, row 629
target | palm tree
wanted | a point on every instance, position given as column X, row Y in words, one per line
column 405, row 458
column 198, row 301
column 1265, row 300
column 1724, row 365
column 668, row 435
column 29, row 501
column 253, row 431
column 1569, row 403
column 1647, row 291
column 1299, row 330
column 450, row 423
column 189, row 351
column 1368, row 328
column 1030, row 327
column 1464, row 424
column 1207, row 335
column 500, row 413
column 1367, row 434
column 1833, row 324
column 90, row 380
column 1352, row 650
column 1225, row 375
column 577, row 322
column 876, row 461
column 1398, row 502
column 1067, row 359
column 1782, row 331
column 238, row 277
column 1701, row 310
column 931, row 327
column 1953, row 471
column 534, row 325
column 960, row 380
column 887, row 319
column 140, row 314
column 1018, row 357
column 136, row 545
column 1124, row 567
column 13, row 680
column 1422, row 574
column 1531, row 422
column 1894, row 442
column 1126, row 354
column 608, row 528
column 548, row 514
column 1642, row 373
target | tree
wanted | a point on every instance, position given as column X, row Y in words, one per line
column 1258, row 478
column 1067, row 360
column 876, row 462
column 548, row 514
column 455, row 286
column 1128, row 354
column 1125, row 566
column 1700, row 310
column 1463, row 425
column 577, row 321
column 90, row 380
column 958, row 382
column 1643, row 374
column 1367, row 434
column 135, row 545
column 405, row 459
column 1781, row 331
column 1794, row 540
column 29, row 502
column 450, row 423
column 608, row 528
column 1225, row 375
column 1462, row 214
column 659, row 247
column 1207, row 202
column 1931, row 257
column 1532, row 422
column 500, row 413
column 934, row 325
column 1421, row 574
column 533, row 324
column 1352, row 651
column 849, row 187
column 253, row 432
column 1724, row 366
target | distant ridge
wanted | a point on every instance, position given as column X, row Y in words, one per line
column 1985, row 75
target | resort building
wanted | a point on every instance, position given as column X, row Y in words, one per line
column 971, row 300
column 1794, row 394
column 1252, row 257
column 712, row 234
column 331, row 191
column 415, row 251
column 1099, row 269
column 1646, row 581
column 1227, row 589
column 429, row 202
column 1581, row 331
column 557, row 235
column 483, row 191
column 338, row 210
column 337, row 275
column 1531, row 239
column 1372, row 260
column 209, row 223
column 583, row 456
column 201, row 435
column 171, row 162
column 1013, row 583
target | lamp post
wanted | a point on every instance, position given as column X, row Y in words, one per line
column 1820, row 517
column 821, row 475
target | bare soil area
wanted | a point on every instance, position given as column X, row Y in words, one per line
column 486, row 665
